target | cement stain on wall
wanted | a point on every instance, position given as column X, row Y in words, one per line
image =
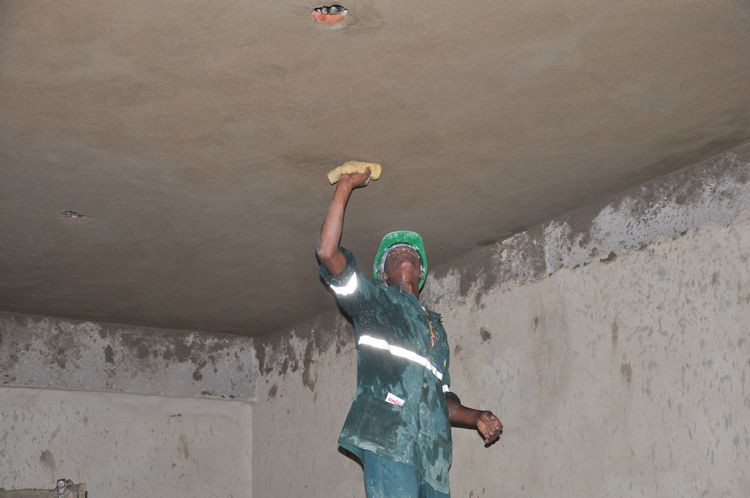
column 485, row 334
column 714, row 190
column 283, row 354
column 51, row 352
column 47, row 460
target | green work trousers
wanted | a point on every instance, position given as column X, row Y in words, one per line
column 388, row 479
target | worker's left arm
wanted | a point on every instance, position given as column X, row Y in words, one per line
column 484, row 421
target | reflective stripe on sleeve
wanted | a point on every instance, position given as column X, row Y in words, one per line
column 446, row 388
column 367, row 340
column 348, row 288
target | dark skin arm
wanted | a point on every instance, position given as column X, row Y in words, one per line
column 328, row 251
column 488, row 425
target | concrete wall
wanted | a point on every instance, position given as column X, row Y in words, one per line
column 130, row 411
column 59, row 353
column 125, row 445
column 614, row 342
column 301, row 404
column 623, row 378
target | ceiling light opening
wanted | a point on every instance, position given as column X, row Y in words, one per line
column 332, row 16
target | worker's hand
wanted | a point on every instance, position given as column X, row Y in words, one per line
column 490, row 427
column 355, row 180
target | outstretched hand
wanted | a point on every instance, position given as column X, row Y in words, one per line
column 490, row 427
column 356, row 180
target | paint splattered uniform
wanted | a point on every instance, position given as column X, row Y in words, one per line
column 399, row 410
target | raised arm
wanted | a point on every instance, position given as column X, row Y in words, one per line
column 328, row 243
column 488, row 425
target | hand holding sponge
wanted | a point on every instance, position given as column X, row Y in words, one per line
column 351, row 167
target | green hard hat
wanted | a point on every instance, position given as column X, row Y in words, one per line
column 400, row 238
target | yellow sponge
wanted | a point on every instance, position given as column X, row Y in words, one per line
column 350, row 167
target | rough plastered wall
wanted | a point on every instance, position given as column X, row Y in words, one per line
column 622, row 378
column 48, row 352
column 307, row 385
column 130, row 411
column 614, row 342
column 125, row 445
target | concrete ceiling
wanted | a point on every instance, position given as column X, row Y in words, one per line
column 196, row 136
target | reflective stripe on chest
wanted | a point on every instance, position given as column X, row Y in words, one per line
column 373, row 342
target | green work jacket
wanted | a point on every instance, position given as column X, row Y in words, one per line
column 399, row 409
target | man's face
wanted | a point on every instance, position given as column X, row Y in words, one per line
column 402, row 263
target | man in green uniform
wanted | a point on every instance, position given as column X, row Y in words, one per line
column 399, row 424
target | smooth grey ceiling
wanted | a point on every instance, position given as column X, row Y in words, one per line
column 196, row 136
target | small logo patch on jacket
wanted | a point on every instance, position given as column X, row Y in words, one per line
column 394, row 400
